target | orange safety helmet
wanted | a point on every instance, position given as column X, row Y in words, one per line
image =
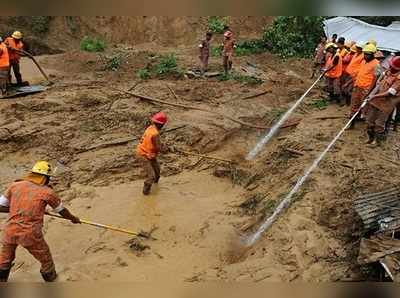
column 395, row 63
column 159, row 118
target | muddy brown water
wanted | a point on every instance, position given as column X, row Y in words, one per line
column 193, row 231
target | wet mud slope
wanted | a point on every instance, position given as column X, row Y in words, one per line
column 201, row 206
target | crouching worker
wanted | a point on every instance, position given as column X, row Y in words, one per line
column 148, row 149
column 25, row 201
column 383, row 103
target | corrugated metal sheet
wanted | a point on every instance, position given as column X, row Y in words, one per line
column 379, row 211
column 388, row 38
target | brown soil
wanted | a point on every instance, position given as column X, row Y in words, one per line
column 202, row 208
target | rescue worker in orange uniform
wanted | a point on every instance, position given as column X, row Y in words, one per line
column 4, row 67
column 149, row 148
column 26, row 200
column 334, row 69
column 14, row 45
column 383, row 103
column 366, row 79
column 351, row 70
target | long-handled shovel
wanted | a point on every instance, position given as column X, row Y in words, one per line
column 107, row 227
column 30, row 56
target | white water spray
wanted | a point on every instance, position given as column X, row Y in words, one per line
column 289, row 198
column 252, row 154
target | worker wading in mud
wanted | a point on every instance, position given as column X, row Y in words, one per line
column 382, row 104
column 4, row 67
column 14, row 44
column 204, row 48
column 25, row 200
column 148, row 149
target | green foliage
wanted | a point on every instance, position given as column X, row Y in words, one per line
column 294, row 36
column 40, row 24
column 250, row 47
column 216, row 51
column 143, row 74
column 113, row 63
column 248, row 80
column 89, row 44
column 217, row 24
column 167, row 64
column 320, row 104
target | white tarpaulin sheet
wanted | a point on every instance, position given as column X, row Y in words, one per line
column 388, row 38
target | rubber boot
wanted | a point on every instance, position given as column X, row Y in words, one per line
column 371, row 136
column 146, row 189
column 49, row 276
column 4, row 274
column 331, row 96
column 157, row 179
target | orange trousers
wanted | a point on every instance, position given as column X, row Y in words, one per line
column 39, row 250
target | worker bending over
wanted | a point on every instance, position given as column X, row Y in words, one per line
column 382, row 104
column 4, row 67
column 15, row 45
column 25, row 201
column 148, row 149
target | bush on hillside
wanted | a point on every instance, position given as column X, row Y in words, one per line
column 89, row 44
column 294, row 36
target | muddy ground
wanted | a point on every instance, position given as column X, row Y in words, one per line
column 201, row 207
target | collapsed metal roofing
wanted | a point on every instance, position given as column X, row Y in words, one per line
column 379, row 211
column 388, row 38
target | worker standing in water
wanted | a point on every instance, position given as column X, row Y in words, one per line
column 14, row 44
column 26, row 201
column 149, row 148
column 4, row 67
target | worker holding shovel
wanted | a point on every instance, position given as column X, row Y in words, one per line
column 15, row 45
column 25, row 201
column 148, row 149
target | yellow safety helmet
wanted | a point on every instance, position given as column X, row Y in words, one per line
column 42, row 167
column 369, row 48
column 371, row 41
column 330, row 45
column 17, row 35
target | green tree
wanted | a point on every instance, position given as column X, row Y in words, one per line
column 294, row 36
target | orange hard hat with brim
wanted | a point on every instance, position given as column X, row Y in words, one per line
column 160, row 118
